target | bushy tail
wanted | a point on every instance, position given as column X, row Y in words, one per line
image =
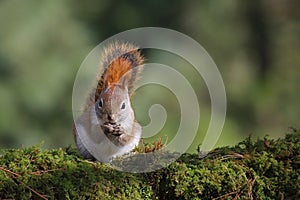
column 117, row 59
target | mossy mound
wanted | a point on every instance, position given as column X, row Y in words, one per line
column 265, row 169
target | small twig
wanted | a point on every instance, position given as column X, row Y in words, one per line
column 35, row 192
column 8, row 171
column 251, row 183
column 225, row 195
column 45, row 171
column 28, row 187
column 232, row 155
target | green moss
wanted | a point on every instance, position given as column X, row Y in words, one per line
column 265, row 169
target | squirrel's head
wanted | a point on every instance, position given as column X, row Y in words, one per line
column 113, row 105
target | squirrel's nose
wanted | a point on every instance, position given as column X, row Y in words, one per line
column 111, row 117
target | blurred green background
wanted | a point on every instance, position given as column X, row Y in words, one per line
column 255, row 44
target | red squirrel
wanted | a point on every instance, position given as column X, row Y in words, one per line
column 107, row 127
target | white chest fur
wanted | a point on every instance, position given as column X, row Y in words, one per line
column 92, row 142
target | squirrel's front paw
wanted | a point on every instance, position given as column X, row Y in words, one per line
column 107, row 128
column 112, row 129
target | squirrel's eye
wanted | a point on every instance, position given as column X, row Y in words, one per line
column 123, row 106
column 100, row 103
